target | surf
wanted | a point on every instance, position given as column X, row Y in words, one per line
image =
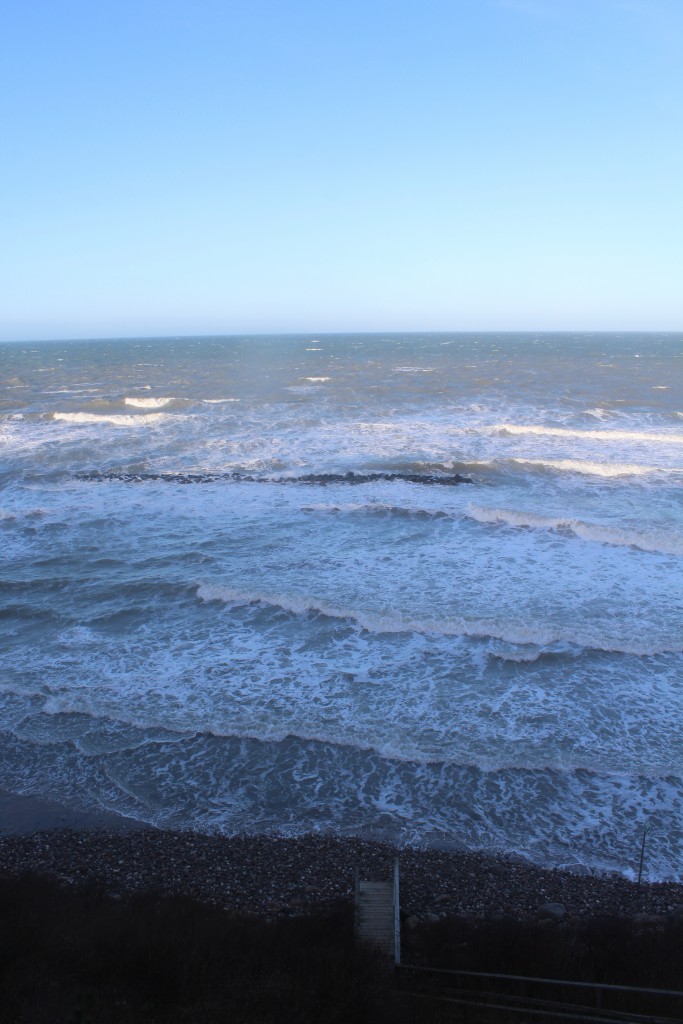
column 662, row 541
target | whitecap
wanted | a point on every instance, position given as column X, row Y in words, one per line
column 147, row 403
column 414, row 369
column 114, row 420
column 661, row 541
column 604, row 469
column 71, row 391
column 591, row 435
column 512, row 632
column 598, row 413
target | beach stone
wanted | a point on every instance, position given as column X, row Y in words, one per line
column 551, row 912
column 498, row 871
column 256, row 874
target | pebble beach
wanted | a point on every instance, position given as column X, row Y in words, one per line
column 273, row 877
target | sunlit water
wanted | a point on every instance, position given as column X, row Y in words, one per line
column 205, row 623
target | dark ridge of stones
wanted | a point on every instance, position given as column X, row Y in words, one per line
column 307, row 478
column 275, row 877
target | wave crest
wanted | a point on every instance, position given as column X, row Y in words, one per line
column 604, row 469
column 114, row 420
column 591, row 435
column 658, row 541
column 532, row 635
column 147, row 403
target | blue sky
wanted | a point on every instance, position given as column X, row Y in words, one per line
column 252, row 166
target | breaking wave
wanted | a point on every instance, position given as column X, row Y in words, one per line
column 114, row 419
column 659, row 541
column 604, row 469
column 377, row 508
column 377, row 622
column 147, row 403
column 591, row 435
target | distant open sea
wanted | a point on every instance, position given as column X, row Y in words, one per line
column 243, row 590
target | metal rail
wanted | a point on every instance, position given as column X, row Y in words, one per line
column 560, row 1013
column 544, row 981
column 510, row 993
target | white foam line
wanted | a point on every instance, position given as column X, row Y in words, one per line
column 510, row 632
column 592, row 435
column 604, row 469
column 659, row 541
column 147, row 403
column 114, row 420
column 414, row 369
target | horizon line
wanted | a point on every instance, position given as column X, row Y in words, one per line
column 328, row 334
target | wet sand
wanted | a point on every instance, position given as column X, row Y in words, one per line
column 20, row 815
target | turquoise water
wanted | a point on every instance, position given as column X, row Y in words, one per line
column 206, row 622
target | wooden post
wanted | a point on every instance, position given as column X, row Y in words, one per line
column 642, row 850
column 397, row 917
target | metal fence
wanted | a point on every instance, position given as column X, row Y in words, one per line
column 549, row 999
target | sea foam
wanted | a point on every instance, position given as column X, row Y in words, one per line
column 589, row 468
column 591, row 435
column 147, row 403
column 114, row 420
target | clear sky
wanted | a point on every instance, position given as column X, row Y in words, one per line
column 229, row 166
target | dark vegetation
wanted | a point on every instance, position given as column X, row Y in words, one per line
column 644, row 952
column 75, row 955
column 609, row 950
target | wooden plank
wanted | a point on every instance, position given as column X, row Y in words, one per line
column 375, row 914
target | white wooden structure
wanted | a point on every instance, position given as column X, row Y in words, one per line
column 377, row 914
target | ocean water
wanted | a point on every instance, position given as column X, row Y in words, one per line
column 426, row 588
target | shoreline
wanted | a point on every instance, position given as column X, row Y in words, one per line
column 273, row 876
column 21, row 815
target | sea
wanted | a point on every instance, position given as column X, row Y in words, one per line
column 422, row 588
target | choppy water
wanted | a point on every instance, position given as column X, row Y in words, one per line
column 206, row 622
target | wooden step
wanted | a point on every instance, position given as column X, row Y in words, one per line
column 377, row 914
